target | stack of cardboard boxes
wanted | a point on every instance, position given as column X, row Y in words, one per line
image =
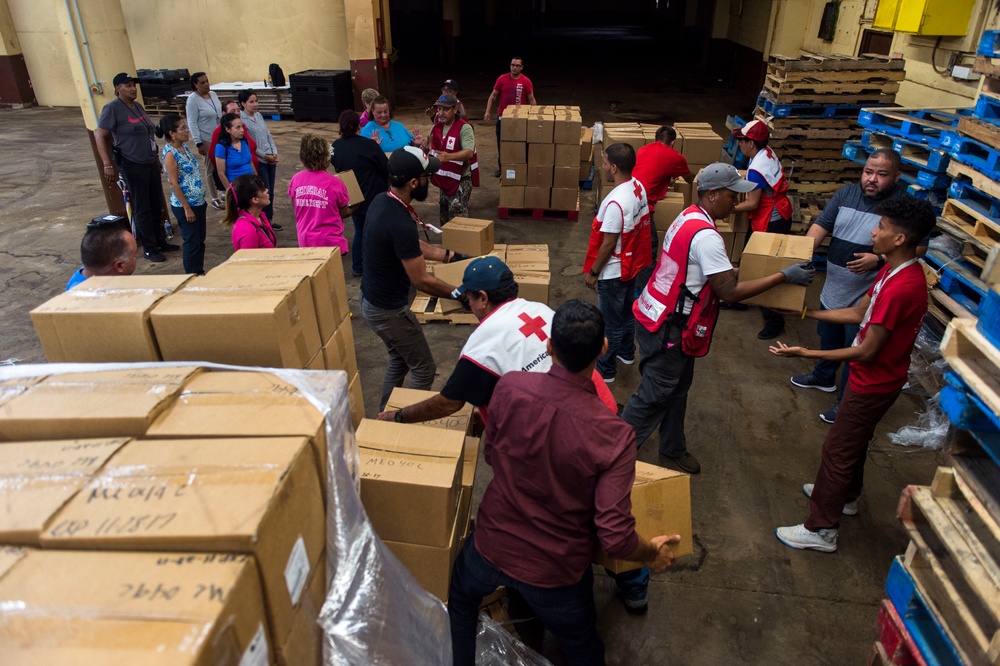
column 277, row 308
column 416, row 486
column 540, row 157
column 162, row 515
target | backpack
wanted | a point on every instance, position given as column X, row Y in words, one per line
column 277, row 76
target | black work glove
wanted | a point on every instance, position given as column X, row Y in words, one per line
column 458, row 256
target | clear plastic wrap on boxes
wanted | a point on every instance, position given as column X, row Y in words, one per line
column 375, row 612
column 496, row 647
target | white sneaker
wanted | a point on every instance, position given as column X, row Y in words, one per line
column 797, row 536
column 850, row 508
column 626, row 361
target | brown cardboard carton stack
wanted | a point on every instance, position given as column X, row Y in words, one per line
column 540, row 156
column 416, row 488
column 196, row 495
column 530, row 265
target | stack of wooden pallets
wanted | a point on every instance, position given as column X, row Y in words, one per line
column 811, row 104
column 944, row 593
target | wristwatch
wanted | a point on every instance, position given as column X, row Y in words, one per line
column 398, row 416
column 593, row 273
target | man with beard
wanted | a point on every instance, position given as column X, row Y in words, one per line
column 851, row 263
column 394, row 258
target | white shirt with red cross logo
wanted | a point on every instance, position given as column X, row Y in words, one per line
column 619, row 213
column 513, row 337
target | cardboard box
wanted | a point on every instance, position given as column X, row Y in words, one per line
column 567, row 155
column 667, row 210
column 661, row 504
column 304, row 645
column 410, row 480
column 512, row 127
column 701, row 145
column 276, row 326
column 541, row 154
column 326, row 277
column 727, row 233
column 11, row 388
column 739, row 241
column 258, row 496
column 468, row 236
column 741, row 222
column 38, row 478
column 499, row 251
column 683, row 186
column 566, row 130
column 357, row 401
column 512, row 197
column 104, row 319
column 587, row 144
column 513, row 175
column 540, row 130
column 470, row 461
column 565, row 198
column 403, row 397
column 452, row 274
column 533, row 258
column 587, row 171
column 537, row 197
column 566, row 177
column 243, row 404
column 338, row 352
column 765, row 254
column 533, row 286
column 109, row 403
column 153, row 609
column 431, row 565
column 513, row 152
column 354, row 193
column 540, row 176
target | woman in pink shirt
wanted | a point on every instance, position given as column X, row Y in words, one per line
column 319, row 198
column 246, row 200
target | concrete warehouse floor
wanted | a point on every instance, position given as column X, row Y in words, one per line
column 743, row 597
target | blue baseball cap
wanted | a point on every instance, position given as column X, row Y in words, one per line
column 485, row 274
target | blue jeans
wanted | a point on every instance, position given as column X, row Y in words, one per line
column 193, row 234
column 834, row 336
column 267, row 173
column 614, row 300
column 568, row 612
column 356, row 247
column 633, row 584
column 407, row 347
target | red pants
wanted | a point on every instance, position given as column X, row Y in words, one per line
column 842, row 469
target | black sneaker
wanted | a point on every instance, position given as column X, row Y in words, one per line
column 771, row 331
column 169, row 247
column 686, row 463
column 830, row 415
column 810, row 381
column 276, row 226
column 154, row 256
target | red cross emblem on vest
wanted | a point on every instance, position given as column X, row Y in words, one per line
column 532, row 326
column 637, row 190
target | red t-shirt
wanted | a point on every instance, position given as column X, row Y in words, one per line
column 513, row 91
column 656, row 166
column 900, row 306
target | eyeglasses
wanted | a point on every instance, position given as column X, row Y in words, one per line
column 106, row 221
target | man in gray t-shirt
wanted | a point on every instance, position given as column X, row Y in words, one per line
column 851, row 265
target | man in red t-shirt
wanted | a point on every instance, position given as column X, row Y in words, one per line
column 657, row 166
column 890, row 317
column 514, row 88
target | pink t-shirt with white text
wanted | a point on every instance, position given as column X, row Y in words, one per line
column 317, row 197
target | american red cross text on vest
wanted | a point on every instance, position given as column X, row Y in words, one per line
column 532, row 326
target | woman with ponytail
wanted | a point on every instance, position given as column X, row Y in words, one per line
column 246, row 199
column 187, row 192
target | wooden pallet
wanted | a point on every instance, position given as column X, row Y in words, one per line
column 779, row 87
column 976, row 477
column 805, row 133
column 980, row 181
column 949, row 559
column 987, row 65
column 985, row 229
column 427, row 309
column 539, row 213
column 813, row 62
column 828, row 99
column 974, row 359
column 829, row 76
column 981, row 131
column 815, row 187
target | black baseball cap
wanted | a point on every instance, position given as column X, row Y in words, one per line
column 450, row 83
column 122, row 78
column 410, row 162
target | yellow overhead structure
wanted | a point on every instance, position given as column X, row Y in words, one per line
column 925, row 17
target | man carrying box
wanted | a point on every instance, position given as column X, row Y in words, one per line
column 679, row 307
column 889, row 317
column 511, row 89
column 453, row 141
column 617, row 251
column 562, row 482
column 512, row 336
column 394, row 261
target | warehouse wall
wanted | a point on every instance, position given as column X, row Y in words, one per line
column 798, row 22
column 37, row 27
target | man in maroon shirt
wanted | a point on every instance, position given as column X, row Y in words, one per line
column 890, row 316
column 563, row 469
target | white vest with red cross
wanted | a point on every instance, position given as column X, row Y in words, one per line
column 666, row 295
column 449, row 175
column 635, row 251
column 513, row 337
column 767, row 164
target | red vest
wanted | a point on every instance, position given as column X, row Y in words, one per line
column 636, row 251
column 767, row 164
column 665, row 295
column 449, row 175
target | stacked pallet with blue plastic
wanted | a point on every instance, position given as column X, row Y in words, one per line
column 944, row 593
column 811, row 103
column 921, row 137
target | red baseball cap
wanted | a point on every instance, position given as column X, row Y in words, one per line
column 755, row 130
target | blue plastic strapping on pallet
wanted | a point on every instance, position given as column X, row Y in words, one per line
column 967, row 411
column 925, row 628
column 937, row 160
column 989, row 44
column 984, row 159
column 989, row 317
